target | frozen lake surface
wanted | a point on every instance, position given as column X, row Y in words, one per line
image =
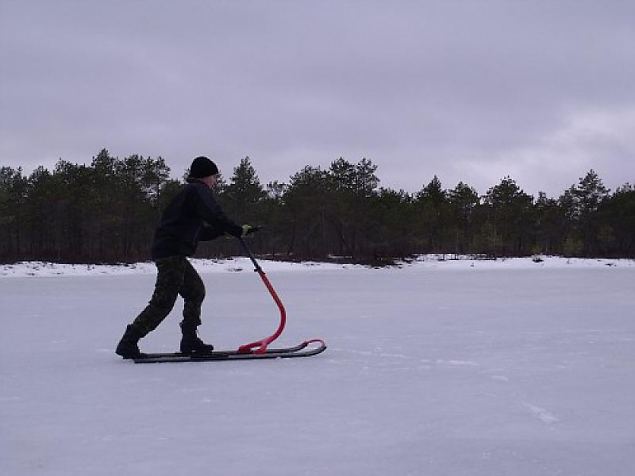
column 431, row 369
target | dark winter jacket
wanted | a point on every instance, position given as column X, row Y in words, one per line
column 192, row 216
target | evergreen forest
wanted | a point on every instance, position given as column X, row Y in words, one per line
column 106, row 212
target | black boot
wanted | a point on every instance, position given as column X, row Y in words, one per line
column 191, row 343
column 127, row 346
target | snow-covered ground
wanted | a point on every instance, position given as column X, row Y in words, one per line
column 436, row 368
column 44, row 269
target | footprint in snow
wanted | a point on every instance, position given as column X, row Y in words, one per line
column 500, row 378
column 459, row 363
column 542, row 414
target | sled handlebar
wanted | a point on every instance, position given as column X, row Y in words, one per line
column 260, row 346
column 248, row 252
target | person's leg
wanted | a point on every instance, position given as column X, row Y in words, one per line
column 193, row 293
column 169, row 281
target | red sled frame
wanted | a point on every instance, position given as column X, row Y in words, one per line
column 260, row 346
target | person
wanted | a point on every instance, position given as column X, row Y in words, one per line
column 192, row 216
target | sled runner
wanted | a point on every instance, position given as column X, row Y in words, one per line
column 302, row 350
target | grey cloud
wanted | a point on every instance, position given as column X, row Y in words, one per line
column 465, row 90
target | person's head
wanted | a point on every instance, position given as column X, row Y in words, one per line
column 204, row 170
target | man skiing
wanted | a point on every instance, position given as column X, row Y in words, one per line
column 192, row 216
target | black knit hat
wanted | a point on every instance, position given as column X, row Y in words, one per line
column 202, row 167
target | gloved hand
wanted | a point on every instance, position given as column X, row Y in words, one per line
column 248, row 229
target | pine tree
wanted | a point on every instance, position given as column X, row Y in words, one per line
column 365, row 179
column 463, row 201
column 13, row 197
column 305, row 211
column 550, row 224
column 432, row 207
column 582, row 203
column 589, row 194
column 616, row 216
column 244, row 192
column 511, row 212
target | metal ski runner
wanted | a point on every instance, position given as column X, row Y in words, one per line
column 283, row 353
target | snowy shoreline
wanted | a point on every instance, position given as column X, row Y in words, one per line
column 37, row 269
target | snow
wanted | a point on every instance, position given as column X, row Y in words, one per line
column 46, row 269
column 437, row 368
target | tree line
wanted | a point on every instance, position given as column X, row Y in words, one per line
column 107, row 211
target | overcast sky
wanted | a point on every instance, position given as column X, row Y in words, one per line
column 466, row 90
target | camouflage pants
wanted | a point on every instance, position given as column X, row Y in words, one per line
column 176, row 277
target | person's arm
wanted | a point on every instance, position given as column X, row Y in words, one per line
column 209, row 233
column 210, row 211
